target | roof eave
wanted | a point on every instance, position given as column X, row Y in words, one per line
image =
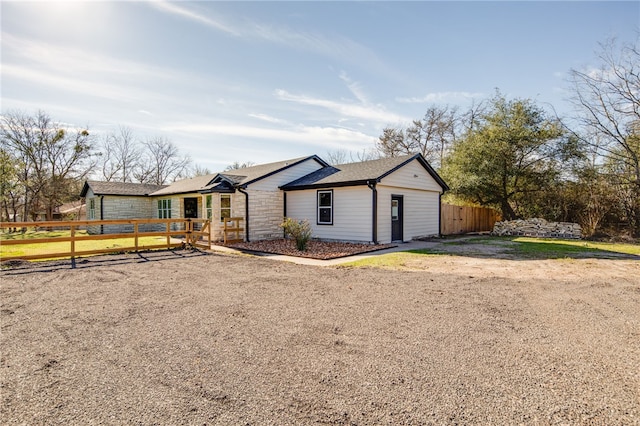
column 360, row 182
column 266, row 175
column 424, row 163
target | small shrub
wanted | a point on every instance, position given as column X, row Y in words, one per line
column 300, row 230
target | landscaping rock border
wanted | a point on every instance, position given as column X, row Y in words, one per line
column 537, row 227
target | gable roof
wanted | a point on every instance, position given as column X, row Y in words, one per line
column 363, row 173
column 119, row 188
column 185, row 185
column 228, row 181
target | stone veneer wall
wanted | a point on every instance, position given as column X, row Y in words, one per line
column 121, row 208
column 265, row 214
column 538, row 228
column 237, row 210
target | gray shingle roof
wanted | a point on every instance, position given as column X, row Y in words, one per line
column 358, row 173
column 186, row 185
column 238, row 177
column 119, row 188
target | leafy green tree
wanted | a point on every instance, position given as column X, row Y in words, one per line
column 512, row 149
column 8, row 186
column 52, row 158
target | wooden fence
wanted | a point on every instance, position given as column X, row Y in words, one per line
column 464, row 219
column 195, row 232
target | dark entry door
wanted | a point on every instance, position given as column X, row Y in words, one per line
column 190, row 208
column 396, row 217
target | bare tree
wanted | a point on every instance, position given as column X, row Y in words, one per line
column 342, row 156
column 161, row 162
column 392, row 142
column 199, row 170
column 120, row 156
column 608, row 101
column 238, row 165
column 51, row 158
column 338, row 156
column 431, row 136
column 365, row 155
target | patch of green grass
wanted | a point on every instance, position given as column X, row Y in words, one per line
column 392, row 260
column 10, row 251
column 510, row 247
column 547, row 246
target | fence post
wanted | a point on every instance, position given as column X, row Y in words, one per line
column 135, row 235
column 72, row 233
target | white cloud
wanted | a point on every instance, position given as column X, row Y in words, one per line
column 269, row 119
column 174, row 9
column 311, row 135
column 334, row 46
column 355, row 88
column 86, row 72
column 442, row 97
column 372, row 113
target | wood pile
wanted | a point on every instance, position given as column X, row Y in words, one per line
column 538, row 228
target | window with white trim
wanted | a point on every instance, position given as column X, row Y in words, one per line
column 325, row 207
column 164, row 209
column 225, row 206
column 209, row 207
column 92, row 208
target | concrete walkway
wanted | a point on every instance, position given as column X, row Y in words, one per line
column 412, row 245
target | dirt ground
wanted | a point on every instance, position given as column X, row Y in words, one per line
column 190, row 338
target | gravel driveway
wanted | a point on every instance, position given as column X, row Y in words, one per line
column 190, row 338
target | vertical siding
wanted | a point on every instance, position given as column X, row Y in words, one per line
column 352, row 213
column 273, row 182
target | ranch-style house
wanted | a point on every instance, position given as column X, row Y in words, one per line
column 378, row 201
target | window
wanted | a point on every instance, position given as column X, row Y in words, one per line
column 395, row 209
column 92, row 208
column 209, row 207
column 164, row 209
column 325, row 207
column 225, row 206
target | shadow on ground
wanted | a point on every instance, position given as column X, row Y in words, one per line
column 519, row 248
column 17, row 267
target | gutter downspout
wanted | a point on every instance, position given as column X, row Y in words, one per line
column 246, row 211
column 101, row 213
column 440, row 215
column 284, row 211
column 374, row 211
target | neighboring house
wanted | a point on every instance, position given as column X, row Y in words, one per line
column 391, row 199
column 73, row 210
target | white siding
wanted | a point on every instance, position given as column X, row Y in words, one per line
column 273, row 182
column 421, row 212
column 412, row 175
column 352, row 213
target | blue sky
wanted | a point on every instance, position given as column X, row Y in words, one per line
column 266, row 81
